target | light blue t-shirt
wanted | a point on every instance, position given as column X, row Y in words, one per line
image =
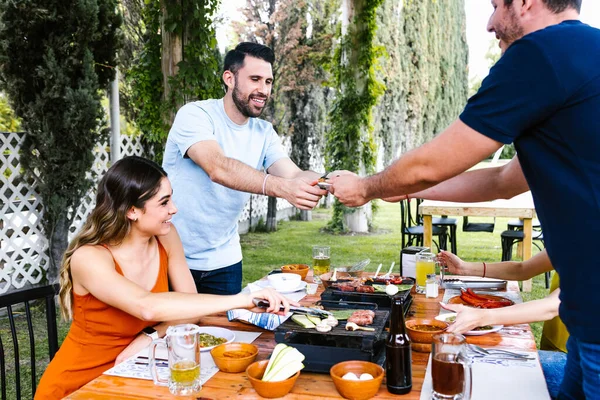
column 207, row 220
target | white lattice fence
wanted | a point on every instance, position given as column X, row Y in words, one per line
column 23, row 246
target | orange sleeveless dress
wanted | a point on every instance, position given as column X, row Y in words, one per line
column 98, row 334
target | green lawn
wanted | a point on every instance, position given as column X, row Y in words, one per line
column 292, row 243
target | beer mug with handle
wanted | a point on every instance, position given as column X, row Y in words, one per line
column 183, row 347
column 450, row 367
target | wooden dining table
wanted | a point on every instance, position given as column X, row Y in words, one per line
column 520, row 206
column 309, row 386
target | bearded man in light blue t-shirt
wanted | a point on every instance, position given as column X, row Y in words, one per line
column 215, row 154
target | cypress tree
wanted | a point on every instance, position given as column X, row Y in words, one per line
column 55, row 57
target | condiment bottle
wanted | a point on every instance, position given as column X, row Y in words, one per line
column 398, row 363
column 431, row 286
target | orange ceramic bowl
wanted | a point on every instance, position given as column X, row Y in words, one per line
column 270, row 390
column 419, row 334
column 234, row 357
column 300, row 269
column 357, row 390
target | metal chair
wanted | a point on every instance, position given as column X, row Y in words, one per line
column 477, row 226
column 510, row 237
column 7, row 308
column 517, row 224
column 414, row 231
column 450, row 223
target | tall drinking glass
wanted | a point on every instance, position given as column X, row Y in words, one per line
column 450, row 367
column 321, row 262
column 425, row 265
column 183, row 347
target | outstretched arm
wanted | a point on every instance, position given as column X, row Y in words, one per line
column 483, row 184
column 452, row 152
column 532, row 311
column 292, row 185
column 511, row 270
column 93, row 269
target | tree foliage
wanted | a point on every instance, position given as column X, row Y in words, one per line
column 159, row 93
column 55, row 57
column 8, row 120
column 302, row 36
column 350, row 142
column 425, row 71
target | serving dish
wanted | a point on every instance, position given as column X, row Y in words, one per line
column 449, row 318
column 459, row 300
column 357, row 389
column 255, row 372
column 234, row 357
column 216, row 332
column 266, row 284
column 422, row 337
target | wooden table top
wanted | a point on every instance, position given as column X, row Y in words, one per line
column 520, row 206
column 309, row 385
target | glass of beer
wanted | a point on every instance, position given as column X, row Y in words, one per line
column 425, row 265
column 321, row 262
column 183, row 348
column 450, row 367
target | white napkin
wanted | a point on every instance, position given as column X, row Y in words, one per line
column 501, row 380
column 129, row 368
column 262, row 320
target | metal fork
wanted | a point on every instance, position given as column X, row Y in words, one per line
column 496, row 352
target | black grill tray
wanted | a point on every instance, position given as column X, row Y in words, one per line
column 323, row 350
column 382, row 300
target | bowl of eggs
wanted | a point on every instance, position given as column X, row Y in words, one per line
column 357, row 380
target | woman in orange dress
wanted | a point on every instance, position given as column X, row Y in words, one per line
column 115, row 279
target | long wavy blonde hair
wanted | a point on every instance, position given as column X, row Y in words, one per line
column 130, row 182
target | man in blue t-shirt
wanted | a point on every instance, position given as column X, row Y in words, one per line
column 214, row 155
column 543, row 95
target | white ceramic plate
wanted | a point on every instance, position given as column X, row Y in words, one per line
column 266, row 284
column 217, row 332
column 494, row 328
column 447, row 316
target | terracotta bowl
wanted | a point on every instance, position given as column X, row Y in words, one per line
column 421, row 340
column 341, row 276
column 270, row 390
column 300, row 269
column 222, row 355
column 357, row 390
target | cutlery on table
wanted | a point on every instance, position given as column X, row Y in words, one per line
column 497, row 352
column 390, row 271
column 377, row 272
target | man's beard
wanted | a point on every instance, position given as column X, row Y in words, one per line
column 510, row 32
column 243, row 105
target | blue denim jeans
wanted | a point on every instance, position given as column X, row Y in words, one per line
column 582, row 371
column 226, row 280
column 553, row 365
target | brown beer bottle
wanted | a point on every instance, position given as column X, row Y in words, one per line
column 398, row 357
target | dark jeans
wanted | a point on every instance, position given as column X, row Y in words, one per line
column 226, row 280
column 553, row 365
column 582, row 372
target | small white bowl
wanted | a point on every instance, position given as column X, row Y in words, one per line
column 284, row 281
